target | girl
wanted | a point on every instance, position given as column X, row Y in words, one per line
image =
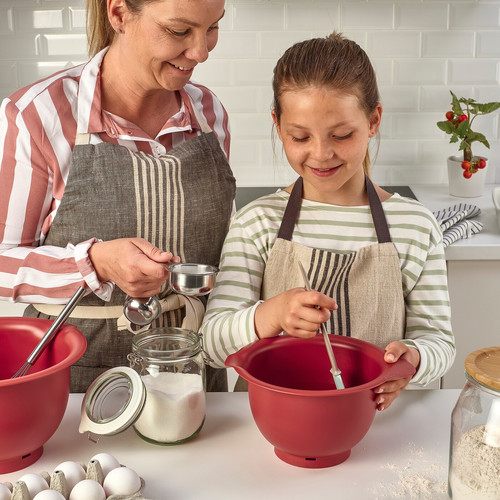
column 374, row 259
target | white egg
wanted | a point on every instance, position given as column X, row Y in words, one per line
column 88, row 489
column 73, row 472
column 121, row 481
column 4, row 492
column 35, row 483
column 108, row 462
column 49, row 495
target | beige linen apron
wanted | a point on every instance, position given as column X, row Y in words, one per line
column 366, row 284
column 180, row 201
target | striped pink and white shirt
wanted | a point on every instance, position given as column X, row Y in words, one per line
column 38, row 127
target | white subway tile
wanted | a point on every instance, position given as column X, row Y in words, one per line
column 397, row 152
column 19, row 47
column 77, row 18
column 238, row 99
column 471, row 71
column 438, row 98
column 8, row 74
column 356, row 15
column 31, row 71
column 251, row 125
column 399, row 99
column 263, row 17
column 320, row 16
column 488, row 44
column 274, row 43
column 254, row 72
column 214, row 72
column 414, row 15
column 448, row 44
column 6, row 21
column 384, row 70
column 393, row 44
column 244, row 152
column 476, row 15
column 38, row 19
column 416, row 126
column 423, row 72
column 487, row 94
column 236, row 45
column 66, row 45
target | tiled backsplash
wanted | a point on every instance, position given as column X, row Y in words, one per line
column 421, row 49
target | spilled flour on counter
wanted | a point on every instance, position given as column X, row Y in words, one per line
column 429, row 482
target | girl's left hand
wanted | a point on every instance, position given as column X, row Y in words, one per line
column 391, row 389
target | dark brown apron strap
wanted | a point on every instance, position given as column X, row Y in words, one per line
column 291, row 212
column 294, row 203
column 378, row 215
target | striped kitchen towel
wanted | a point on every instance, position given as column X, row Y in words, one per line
column 455, row 223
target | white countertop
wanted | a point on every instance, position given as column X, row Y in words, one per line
column 482, row 246
column 404, row 455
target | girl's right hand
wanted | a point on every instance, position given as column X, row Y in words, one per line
column 134, row 264
column 297, row 312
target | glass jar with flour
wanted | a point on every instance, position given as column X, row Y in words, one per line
column 171, row 366
column 161, row 394
column 474, row 468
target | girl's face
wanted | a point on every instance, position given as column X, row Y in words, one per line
column 168, row 38
column 325, row 136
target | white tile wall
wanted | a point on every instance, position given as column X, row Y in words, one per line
column 420, row 49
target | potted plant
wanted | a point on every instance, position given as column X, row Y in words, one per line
column 458, row 124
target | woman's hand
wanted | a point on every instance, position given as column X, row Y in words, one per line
column 134, row 264
column 391, row 389
column 297, row 312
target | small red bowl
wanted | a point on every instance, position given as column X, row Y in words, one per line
column 32, row 407
column 294, row 401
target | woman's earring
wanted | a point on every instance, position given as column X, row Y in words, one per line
column 119, row 31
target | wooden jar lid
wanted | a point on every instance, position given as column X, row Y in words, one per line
column 484, row 366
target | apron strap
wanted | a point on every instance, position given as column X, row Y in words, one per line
column 378, row 214
column 291, row 212
column 295, row 201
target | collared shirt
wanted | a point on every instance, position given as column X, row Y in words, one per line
column 38, row 128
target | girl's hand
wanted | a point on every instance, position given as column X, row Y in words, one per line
column 391, row 389
column 134, row 264
column 297, row 312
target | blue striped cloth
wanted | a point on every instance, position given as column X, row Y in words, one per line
column 456, row 224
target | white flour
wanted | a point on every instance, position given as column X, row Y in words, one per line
column 417, row 479
column 175, row 407
column 475, row 473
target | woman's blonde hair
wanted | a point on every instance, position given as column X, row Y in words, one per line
column 100, row 33
column 333, row 62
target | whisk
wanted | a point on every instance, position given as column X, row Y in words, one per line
column 50, row 334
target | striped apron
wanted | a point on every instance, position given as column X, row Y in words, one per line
column 367, row 284
column 180, row 201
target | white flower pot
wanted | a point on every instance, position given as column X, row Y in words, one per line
column 459, row 185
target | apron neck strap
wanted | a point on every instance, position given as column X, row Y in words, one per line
column 294, row 203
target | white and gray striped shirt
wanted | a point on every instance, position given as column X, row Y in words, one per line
column 229, row 321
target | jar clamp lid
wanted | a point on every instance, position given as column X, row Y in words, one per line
column 112, row 402
column 484, row 366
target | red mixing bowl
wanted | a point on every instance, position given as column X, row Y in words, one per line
column 294, row 401
column 32, row 407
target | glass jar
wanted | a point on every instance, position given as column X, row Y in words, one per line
column 474, row 467
column 170, row 363
column 161, row 394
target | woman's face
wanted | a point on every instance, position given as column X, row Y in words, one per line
column 168, row 38
column 325, row 136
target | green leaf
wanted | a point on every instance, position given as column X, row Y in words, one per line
column 489, row 107
column 446, row 126
column 453, row 138
column 462, row 129
column 455, row 104
column 478, row 137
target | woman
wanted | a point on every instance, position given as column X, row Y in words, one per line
column 111, row 168
column 374, row 259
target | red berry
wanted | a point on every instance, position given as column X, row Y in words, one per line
column 467, row 174
column 462, row 118
column 449, row 115
column 466, row 165
column 481, row 163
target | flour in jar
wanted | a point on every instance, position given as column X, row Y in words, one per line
column 175, row 407
column 475, row 471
